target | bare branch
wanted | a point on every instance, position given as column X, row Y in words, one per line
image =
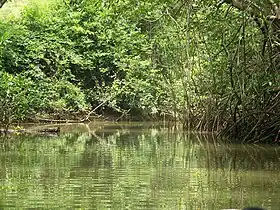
column 267, row 8
column 2, row 2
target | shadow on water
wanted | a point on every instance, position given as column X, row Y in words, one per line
column 135, row 166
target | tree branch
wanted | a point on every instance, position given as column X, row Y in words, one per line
column 265, row 8
column 2, row 2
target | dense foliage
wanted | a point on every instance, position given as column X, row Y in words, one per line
column 211, row 67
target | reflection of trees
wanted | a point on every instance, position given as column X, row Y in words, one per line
column 117, row 167
column 238, row 156
column 182, row 167
column 33, row 166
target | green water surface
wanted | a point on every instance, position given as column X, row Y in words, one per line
column 135, row 166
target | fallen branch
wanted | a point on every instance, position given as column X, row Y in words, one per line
column 46, row 130
column 93, row 111
column 58, row 121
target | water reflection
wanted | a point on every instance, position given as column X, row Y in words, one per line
column 131, row 166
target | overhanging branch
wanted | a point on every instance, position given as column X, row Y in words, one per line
column 265, row 8
column 2, row 2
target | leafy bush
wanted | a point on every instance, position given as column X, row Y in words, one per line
column 98, row 49
column 23, row 96
column 16, row 94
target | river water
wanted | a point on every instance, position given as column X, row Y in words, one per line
column 135, row 166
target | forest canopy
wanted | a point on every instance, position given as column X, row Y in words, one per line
column 212, row 66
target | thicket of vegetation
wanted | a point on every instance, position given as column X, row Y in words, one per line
column 211, row 66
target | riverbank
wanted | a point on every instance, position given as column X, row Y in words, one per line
column 68, row 61
column 54, row 121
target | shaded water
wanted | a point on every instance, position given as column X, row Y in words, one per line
column 135, row 166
